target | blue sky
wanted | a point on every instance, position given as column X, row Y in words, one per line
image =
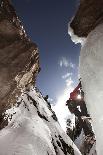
column 46, row 22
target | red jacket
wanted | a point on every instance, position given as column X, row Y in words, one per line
column 74, row 94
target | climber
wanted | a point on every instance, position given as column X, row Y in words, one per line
column 77, row 99
column 73, row 103
column 75, row 93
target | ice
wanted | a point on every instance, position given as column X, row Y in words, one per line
column 91, row 72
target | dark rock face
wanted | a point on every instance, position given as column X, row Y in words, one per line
column 19, row 58
column 88, row 16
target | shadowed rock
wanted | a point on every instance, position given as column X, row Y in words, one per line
column 19, row 58
column 88, row 16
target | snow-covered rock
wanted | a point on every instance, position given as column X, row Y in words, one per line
column 88, row 22
column 88, row 16
column 85, row 143
column 91, row 71
column 19, row 58
column 33, row 129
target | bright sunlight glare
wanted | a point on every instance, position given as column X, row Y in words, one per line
column 61, row 109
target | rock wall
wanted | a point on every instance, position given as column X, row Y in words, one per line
column 87, row 17
column 19, row 58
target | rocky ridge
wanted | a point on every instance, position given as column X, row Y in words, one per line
column 19, row 57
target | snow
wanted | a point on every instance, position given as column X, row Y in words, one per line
column 74, row 37
column 32, row 130
column 83, row 144
column 61, row 109
column 93, row 151
column 80, row 140
column 91, row 72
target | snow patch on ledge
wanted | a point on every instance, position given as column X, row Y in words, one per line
column 75, row 38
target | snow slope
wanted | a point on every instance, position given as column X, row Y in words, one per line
column 33, row 129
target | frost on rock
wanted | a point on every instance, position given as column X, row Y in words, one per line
column 32, row 129
column 74, row 37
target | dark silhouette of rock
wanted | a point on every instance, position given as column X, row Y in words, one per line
column 19, row 58
column 88, row 16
